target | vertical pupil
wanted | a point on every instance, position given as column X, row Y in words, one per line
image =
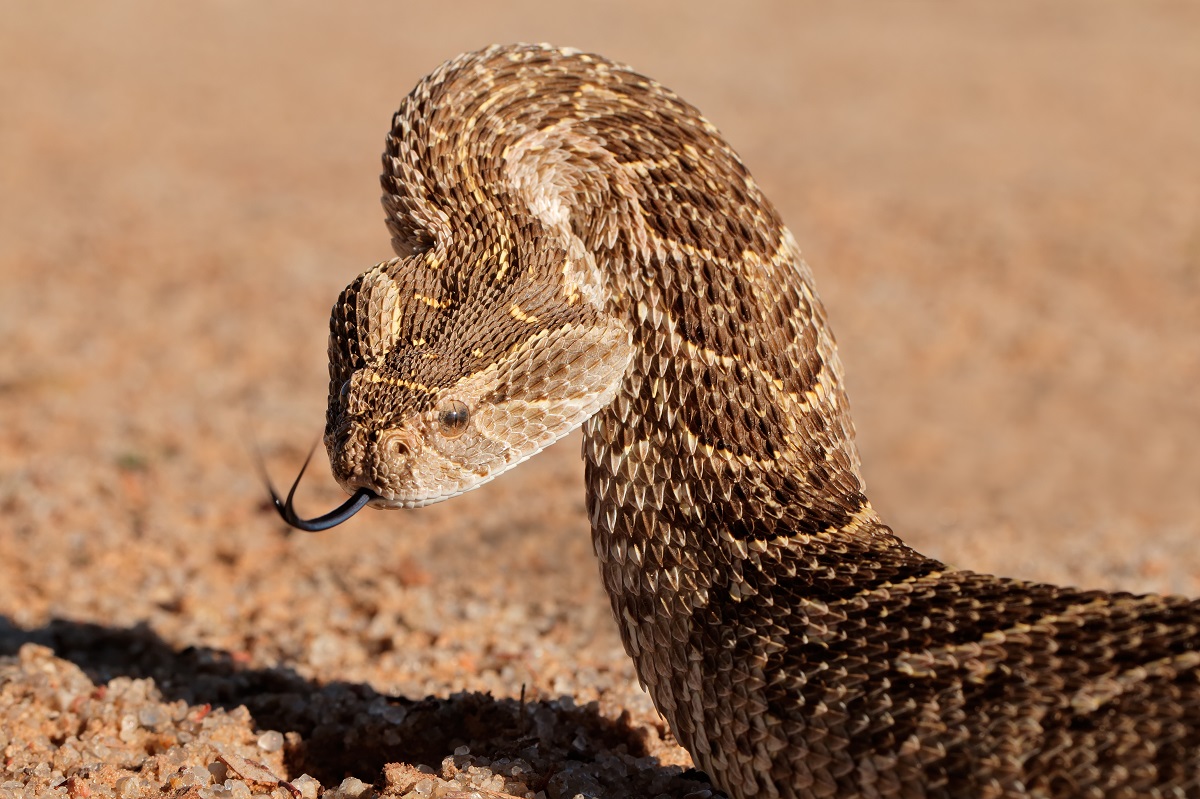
column 454, row 417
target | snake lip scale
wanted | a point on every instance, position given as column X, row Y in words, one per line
column 577, row 246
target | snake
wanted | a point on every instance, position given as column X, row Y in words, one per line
column 576, row 246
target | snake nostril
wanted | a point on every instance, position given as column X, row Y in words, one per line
column 396, row 444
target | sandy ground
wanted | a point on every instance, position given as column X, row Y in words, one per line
column 1000, row 201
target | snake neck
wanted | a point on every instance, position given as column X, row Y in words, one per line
column 730, row 431
column 731, row 417
column 727, row 455
column 730, row 428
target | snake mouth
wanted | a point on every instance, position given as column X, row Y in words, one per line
column 357, row 501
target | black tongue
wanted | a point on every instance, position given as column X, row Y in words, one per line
column 287, row 510
column 341, row 513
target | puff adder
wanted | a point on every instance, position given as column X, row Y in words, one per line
column 578, row 246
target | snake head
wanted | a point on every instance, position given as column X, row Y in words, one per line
column 441, row 380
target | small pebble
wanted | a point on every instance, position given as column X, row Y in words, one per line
column 129, row 726
column 238, row 789
column 151, row 717
column 270, row 741
column 351, row 788
column 129, row 787
column 307, row 786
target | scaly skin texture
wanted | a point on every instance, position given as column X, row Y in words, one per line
column 577, row 245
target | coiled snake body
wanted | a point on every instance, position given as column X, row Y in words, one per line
column 578, row 246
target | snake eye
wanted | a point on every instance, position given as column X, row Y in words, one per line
column 453, row 418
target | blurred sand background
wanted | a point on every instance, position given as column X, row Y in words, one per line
column 1000, row 203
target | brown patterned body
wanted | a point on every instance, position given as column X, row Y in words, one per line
column 587, row 242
